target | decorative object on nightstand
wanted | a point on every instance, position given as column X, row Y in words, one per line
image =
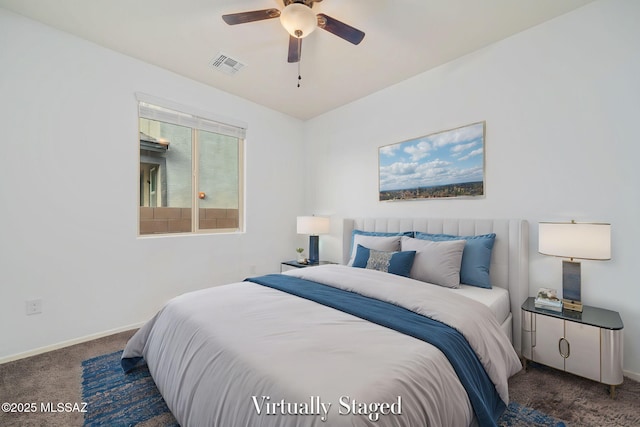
column 573, row 240
column 548, row 299
column 313, row 226
column 300, row 258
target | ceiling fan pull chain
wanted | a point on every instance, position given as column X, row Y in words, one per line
column 299, row 76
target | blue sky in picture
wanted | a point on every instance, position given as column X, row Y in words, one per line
column 448, row 157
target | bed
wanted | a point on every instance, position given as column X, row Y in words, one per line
column 344, row 346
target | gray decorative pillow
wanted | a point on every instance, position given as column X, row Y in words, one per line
column 435, row 262
column 379, row 243
column 379, row 260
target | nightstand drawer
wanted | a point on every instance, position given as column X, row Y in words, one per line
column 548, row 332
column 584, row 346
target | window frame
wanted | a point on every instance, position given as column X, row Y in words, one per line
column 152, row 108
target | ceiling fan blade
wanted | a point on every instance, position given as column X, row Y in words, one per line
column 254, row 15
column 340, row 29
column 295, row 49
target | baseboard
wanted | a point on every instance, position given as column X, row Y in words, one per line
column 633, row 375
column 68, row 343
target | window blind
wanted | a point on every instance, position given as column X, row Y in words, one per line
column 170, row 112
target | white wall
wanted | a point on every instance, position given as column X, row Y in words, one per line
column 68, row 191
column 561, row 106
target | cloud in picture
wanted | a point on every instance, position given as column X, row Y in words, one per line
column 452, row 158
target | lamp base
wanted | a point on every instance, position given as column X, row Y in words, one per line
column 314, row 252
column 571, row 284
column 572, row 305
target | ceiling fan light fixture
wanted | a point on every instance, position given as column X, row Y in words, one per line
column 298, row 19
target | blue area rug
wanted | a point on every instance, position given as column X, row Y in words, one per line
column 116, row 399
column 517, row 415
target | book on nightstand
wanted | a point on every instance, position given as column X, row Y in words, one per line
column 547, row 299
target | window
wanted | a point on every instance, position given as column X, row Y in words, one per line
column 191, row 172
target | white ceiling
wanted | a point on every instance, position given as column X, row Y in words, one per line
column 403, row 38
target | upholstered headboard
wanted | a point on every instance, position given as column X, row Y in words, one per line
column 509, row 260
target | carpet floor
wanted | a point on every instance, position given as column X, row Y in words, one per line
column 540, row 396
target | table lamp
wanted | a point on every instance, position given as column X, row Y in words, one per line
column 313, row 226
column 574, row 240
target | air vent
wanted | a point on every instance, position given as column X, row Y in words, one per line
column 226, row 64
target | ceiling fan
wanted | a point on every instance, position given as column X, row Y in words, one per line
column 299, row 21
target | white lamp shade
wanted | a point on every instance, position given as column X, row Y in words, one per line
column 298, row 19
column 575, row 240
column 313, row 225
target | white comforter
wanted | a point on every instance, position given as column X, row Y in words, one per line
column 233, row 355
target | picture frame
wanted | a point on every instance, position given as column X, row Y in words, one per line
column 442, row 165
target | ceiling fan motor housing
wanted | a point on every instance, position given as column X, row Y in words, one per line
column 305, row 2
column 298, row 18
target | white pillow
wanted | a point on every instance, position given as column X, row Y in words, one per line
column 379, row 243
column 435, row 262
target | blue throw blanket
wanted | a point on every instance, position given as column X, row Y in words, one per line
column 482, row 393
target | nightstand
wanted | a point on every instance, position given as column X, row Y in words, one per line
column 588, row 344
column 290, row 265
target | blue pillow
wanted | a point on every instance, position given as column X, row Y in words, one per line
column 476, row 257
column 399, row 263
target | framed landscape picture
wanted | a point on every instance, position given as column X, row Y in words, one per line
column 445, row 164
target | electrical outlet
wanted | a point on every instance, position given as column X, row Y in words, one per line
column 34, row 306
